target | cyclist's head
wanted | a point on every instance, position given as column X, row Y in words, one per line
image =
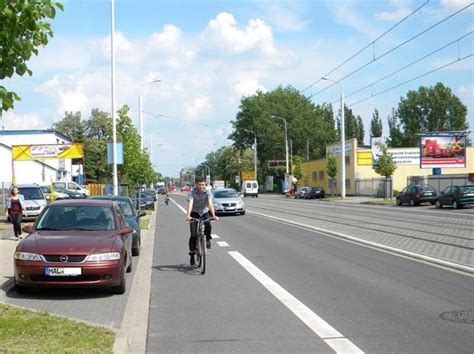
column 201, row 183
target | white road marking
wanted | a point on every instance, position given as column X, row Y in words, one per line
column 179, row 206
column 454, row 267
column 222, row 243
column 324, row 330
column 215, row 236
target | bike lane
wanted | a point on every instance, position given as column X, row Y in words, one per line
column 225, row 310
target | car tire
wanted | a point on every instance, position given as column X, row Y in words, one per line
column 398, row 202
column 242, row 213
column 412, row 202
column 456, row 204
column 136, row 251
column 438, row 204
column 20, row 289
column 121, row 288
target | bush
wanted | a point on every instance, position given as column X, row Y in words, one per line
column 396, row 193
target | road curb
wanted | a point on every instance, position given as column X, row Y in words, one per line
column 132, row 335
column 408, row 254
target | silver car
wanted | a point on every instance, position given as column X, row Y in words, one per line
column 228, row 201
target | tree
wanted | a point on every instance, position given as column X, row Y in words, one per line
column 72, row 126
column 307, row 125
column 376, row 127
column 429, row 109
column 395, row 133
column 354, row 127
column 24, row 27
column 296, row 168
column 385, row 166
column 332, row 171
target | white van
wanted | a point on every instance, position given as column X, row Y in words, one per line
column 72, row 186
column 250, row 188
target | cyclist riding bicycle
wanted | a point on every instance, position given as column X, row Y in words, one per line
column 199, row 207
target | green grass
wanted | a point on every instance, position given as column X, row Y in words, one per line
column 381, row 202
column 25, row 331
column 149, row 212
column 145, row 223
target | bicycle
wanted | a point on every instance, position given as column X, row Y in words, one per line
column 167, row 200
column 201, row 247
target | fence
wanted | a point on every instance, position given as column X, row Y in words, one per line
column 96, row 189
column 440, row 182
column 374, row 187
column 4, row 194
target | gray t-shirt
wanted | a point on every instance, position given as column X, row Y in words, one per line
column 200, row 200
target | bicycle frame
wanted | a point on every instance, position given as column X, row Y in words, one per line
column 201, row 249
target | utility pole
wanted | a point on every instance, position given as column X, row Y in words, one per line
column 307, row 149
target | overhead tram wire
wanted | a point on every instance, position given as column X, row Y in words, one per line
column 393, row 49
column 368, row 45
column 412, row 79
column 404, row 67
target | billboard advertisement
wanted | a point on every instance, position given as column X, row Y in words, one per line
column 47, row 151
column 446, row 150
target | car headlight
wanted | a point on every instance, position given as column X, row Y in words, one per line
column 100, row 257
column 27, row 256
column 217, row 205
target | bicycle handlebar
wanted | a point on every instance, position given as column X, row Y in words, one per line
column 204, row 220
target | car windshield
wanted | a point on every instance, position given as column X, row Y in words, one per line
column 467, row 189
column 45, row 189
column 31, row 193
column 225, row 194
column 72, row 217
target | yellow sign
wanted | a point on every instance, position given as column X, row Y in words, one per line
column 364, row 158
column 47, row 151
column 248, row 175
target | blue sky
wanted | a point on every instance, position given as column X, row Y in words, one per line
column 210, row 53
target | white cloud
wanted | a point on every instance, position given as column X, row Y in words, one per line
column 345, row 14
column 466, row 92
column 198, row 107
column 455, row 4
column 248, row 87
column 401, row 2
column 395, row 15
column 224, row 32
column 168, row 39
column 125, row 50
column 285, row 16
column 12, row 121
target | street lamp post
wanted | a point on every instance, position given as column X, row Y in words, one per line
column 255, row 152
column 343, row 142
column 114, row 122
column 286, row 143
column 140, row 110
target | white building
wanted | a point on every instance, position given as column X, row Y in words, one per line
column 33, row 171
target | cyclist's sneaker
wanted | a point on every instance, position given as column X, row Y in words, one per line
column 191, row 260
column 208, row 243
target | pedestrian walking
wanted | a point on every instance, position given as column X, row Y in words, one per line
column 14, row 210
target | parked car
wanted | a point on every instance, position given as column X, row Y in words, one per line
column 75, row 243
column 185, row 189
column 132, row 217
column 315, row 193
column 144, row 201
column 417, row 194
column 71, row 194
column 457, row 196
column 35, row 200
column 301, row 192
column 161, row 190
column 57, row 195
column 228, row 201
column 72, row 186
column 151, row 192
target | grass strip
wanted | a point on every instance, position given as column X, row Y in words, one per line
column 25, row 331
column 145, row 223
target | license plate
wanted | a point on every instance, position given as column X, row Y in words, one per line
column 230, row 208
column 428, row 194
column 62, row 271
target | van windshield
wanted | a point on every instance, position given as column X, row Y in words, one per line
column 31, row 193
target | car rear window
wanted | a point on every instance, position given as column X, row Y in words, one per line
column 426, row 188
column 467, row 189
column 254, row 185
column 88, row 218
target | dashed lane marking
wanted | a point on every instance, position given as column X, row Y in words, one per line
column 324, row 330
column 215, row 236
column 222, row 243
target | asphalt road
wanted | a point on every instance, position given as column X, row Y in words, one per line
column 283, row 288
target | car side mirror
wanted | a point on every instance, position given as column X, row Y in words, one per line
column 125, row 230
column 27, row 229
column 141, row 213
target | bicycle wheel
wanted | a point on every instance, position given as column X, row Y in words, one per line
column 202, row 242
column 198, row 253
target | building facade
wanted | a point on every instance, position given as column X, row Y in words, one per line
column 361, row 177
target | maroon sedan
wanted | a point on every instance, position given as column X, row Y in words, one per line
column 76, row 243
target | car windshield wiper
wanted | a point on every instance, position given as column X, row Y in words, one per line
column 46, row 228
column 77, row 229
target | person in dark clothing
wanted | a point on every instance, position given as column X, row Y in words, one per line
column 14, row 210
column 200, row 207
